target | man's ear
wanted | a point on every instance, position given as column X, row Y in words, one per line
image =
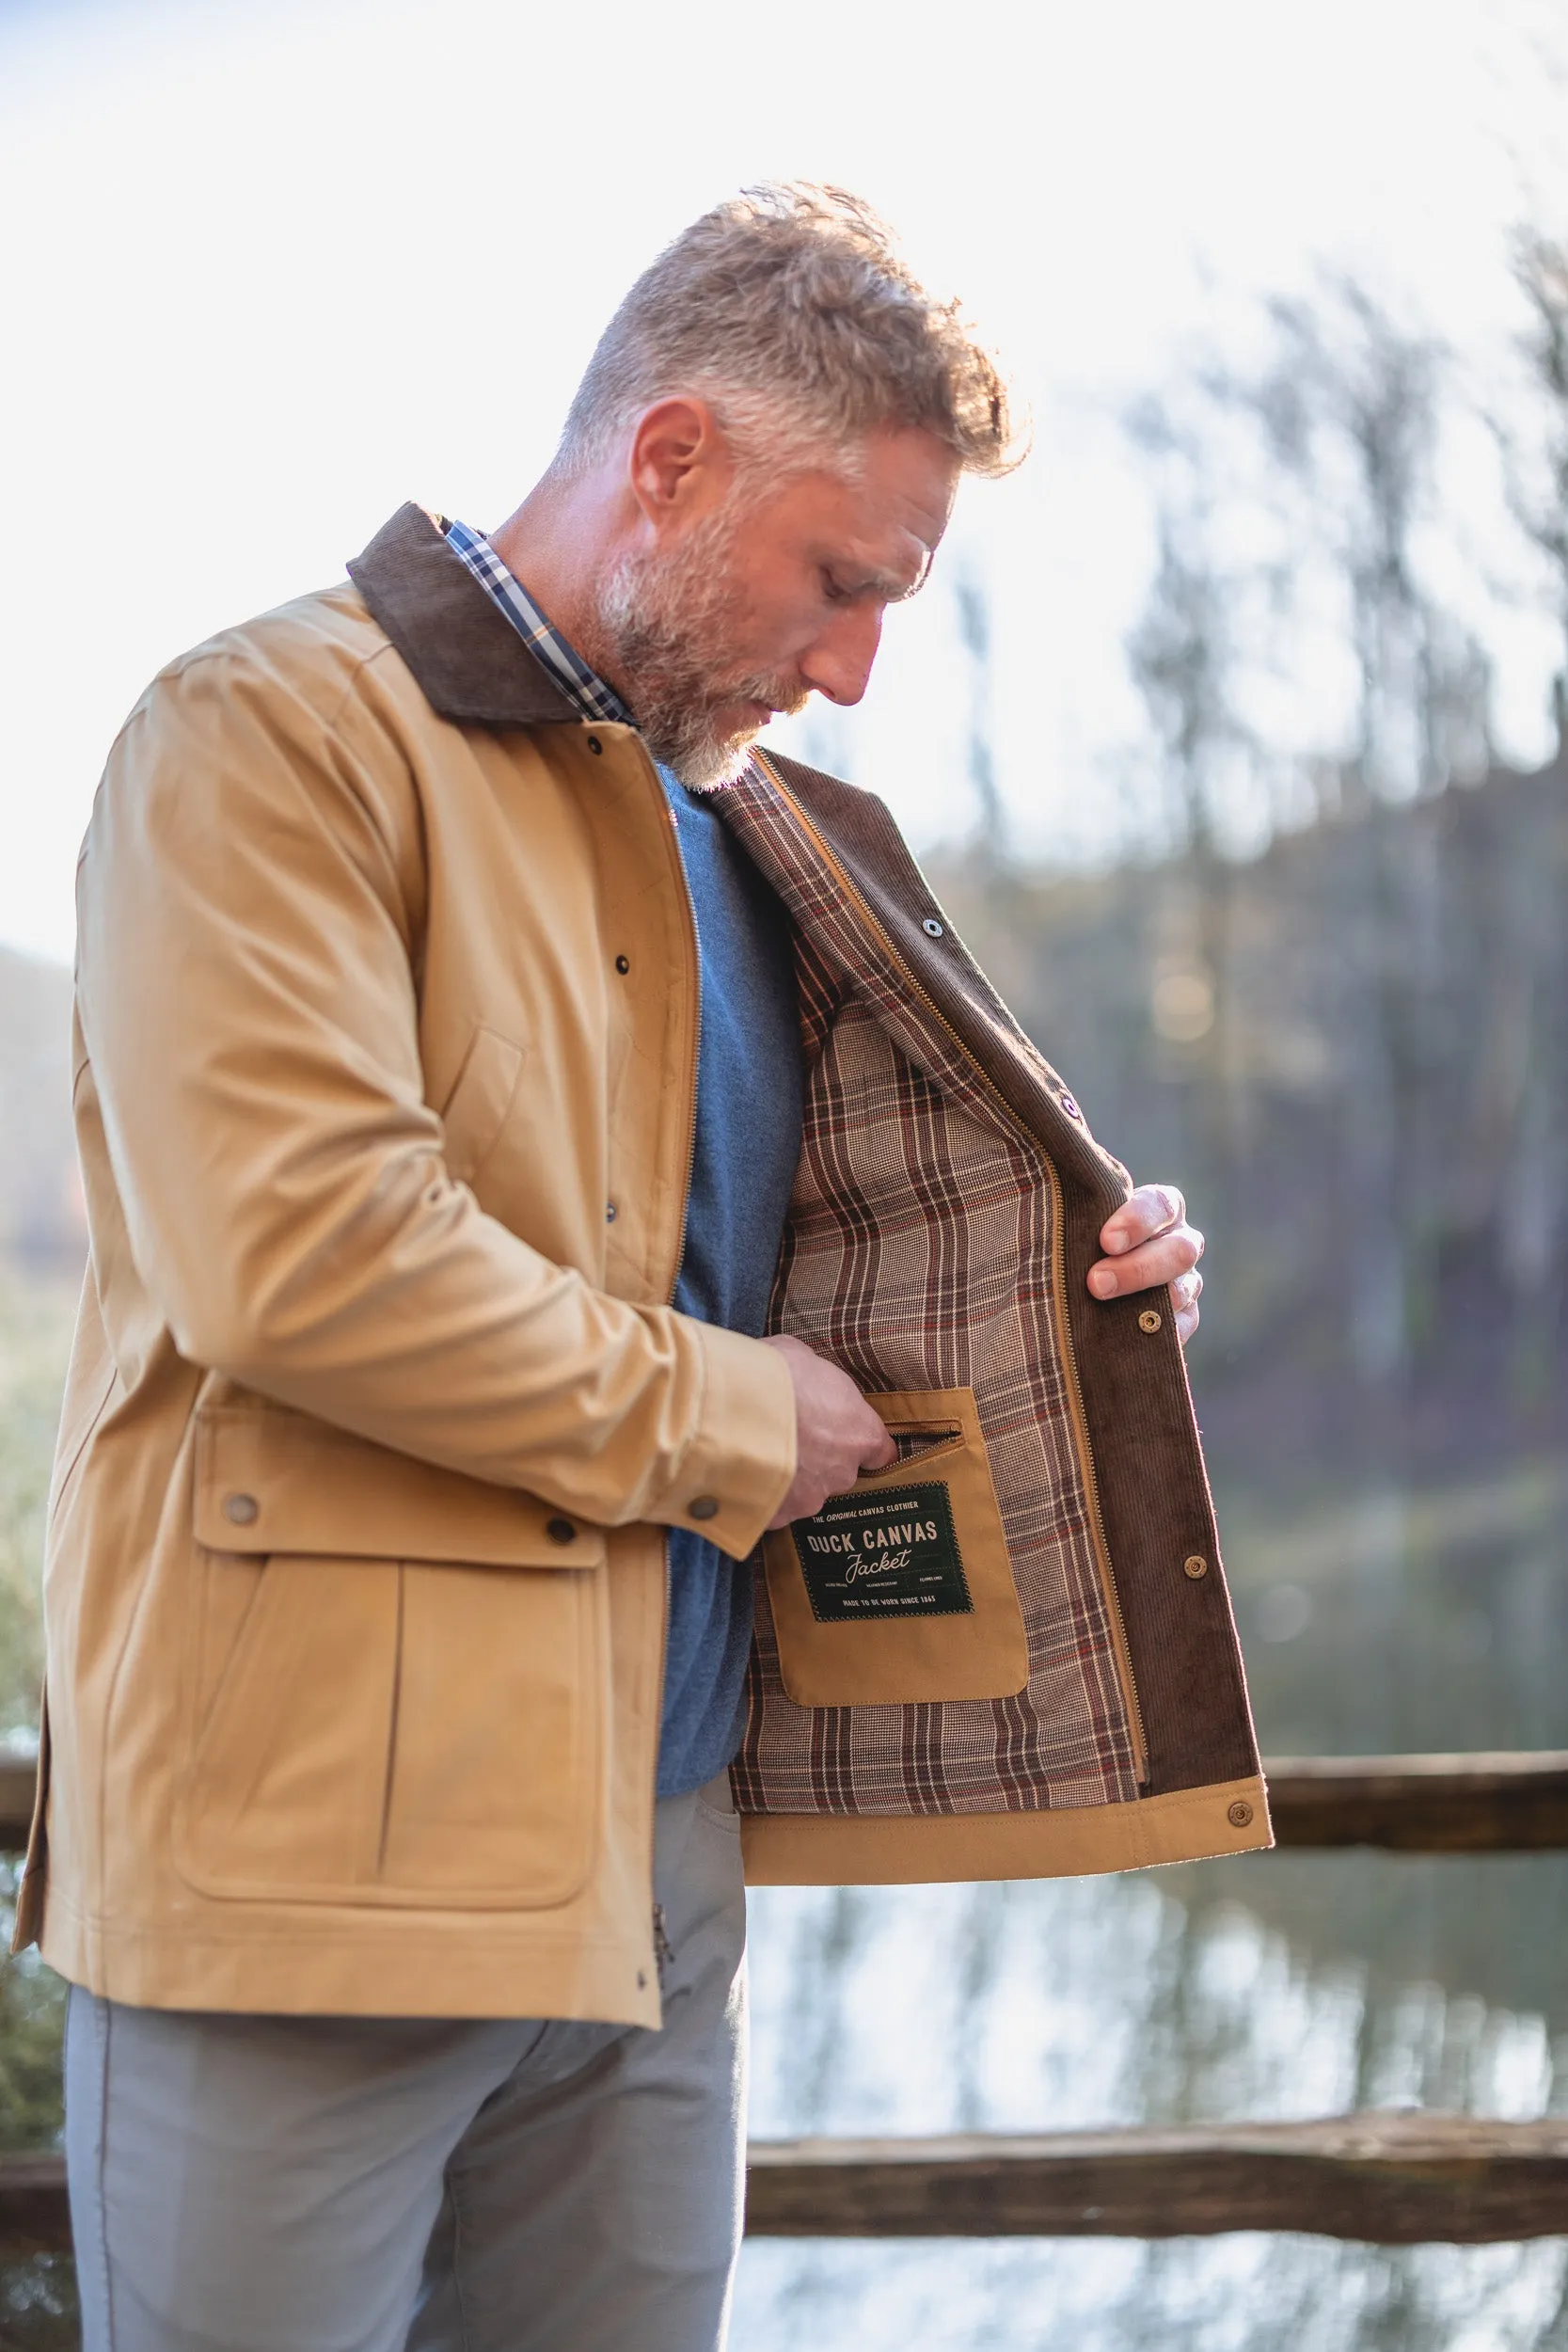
column 679, row 466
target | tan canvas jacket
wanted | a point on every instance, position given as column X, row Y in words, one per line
column 385, row 1075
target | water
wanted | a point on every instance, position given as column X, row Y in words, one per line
column 1279, row 1985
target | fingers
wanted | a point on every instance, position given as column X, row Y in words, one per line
column 1152, row 1209
column 1149, row 1265
column 1148, row 1245
column 879, row 1450
column 1186, row 1290
column 837, row 1435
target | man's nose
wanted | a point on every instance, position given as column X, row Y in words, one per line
column 838, row 664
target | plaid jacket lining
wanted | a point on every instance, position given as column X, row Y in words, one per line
column 918, row 1255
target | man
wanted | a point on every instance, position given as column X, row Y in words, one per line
column 478, row 1045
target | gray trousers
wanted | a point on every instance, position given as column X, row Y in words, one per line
column 246, row 2183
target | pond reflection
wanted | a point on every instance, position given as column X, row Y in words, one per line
column 1278, row 1985
column 1047, row 2007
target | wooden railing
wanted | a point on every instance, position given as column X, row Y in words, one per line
column 1504, row 1804
column 1396, row 2179
column 1392, row 2179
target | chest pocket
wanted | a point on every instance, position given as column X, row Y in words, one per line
column 475, row 1109
column 901, row 1589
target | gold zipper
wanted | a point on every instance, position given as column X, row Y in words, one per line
column 1077, row 1415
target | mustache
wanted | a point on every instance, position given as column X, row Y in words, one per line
column 784, row 697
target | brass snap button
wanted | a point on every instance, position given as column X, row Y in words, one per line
column 932, row 928
column 1194, row 1564
column 1239, row 1814
column 561, row 1531
column 241, row 1510
column 704, row 1508
column 1150, row 1320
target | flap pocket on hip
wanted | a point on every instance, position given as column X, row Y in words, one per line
column 384, row 1732
column 901, row 1590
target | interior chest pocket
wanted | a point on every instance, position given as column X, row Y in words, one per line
column 901, row 1589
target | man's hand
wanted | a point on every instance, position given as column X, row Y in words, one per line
column 1148, row 1245
column 836, row 1432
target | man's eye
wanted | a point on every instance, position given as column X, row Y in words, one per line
column 831, row 589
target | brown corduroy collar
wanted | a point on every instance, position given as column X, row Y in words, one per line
column 469, row 662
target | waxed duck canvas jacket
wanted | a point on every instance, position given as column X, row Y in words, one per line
column 384, row 1072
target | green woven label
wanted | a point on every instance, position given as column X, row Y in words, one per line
column 888, row 1554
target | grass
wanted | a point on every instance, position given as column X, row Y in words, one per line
column 38, row 2298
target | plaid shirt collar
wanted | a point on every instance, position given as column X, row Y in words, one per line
column 585, row 688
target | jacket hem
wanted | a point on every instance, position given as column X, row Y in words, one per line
column 907, row 1850
column 383, row 1970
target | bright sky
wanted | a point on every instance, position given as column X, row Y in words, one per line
column 268, row 271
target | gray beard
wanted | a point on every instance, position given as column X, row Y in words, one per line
column 663, row 626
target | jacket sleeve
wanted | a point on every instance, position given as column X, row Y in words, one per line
column 246, row 991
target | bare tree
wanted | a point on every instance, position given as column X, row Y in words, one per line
column 1180, row 654
column 974, row 632
column 1538, row 491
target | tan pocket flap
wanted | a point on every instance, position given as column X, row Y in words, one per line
column 269, row 1480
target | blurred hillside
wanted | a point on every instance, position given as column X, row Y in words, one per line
column 1352, row 1054
column 40, row 1218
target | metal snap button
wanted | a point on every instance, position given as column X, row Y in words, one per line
column 622, row 964
column 1239, row 1814
column 704, row 1508
column 932, row 928
column 1195, row 1566
column 1070, row 1107
column 609, row 1212
column 561, row 1531
column 1148, row 1320
column 241, row 1510
column 595, row 745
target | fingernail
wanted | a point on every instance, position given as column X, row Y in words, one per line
column 1102, row 1282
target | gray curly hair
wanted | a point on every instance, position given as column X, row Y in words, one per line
column 789, row 310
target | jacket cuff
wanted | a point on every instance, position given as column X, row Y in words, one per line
column 738, row 1468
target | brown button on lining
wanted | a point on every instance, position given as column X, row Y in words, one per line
column 1148, row 1320
column 1194, row 1564
column 241, row 1510
column 704, row 1508
column 622, row 964
column 1239, row 1814
column 561, row 1531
